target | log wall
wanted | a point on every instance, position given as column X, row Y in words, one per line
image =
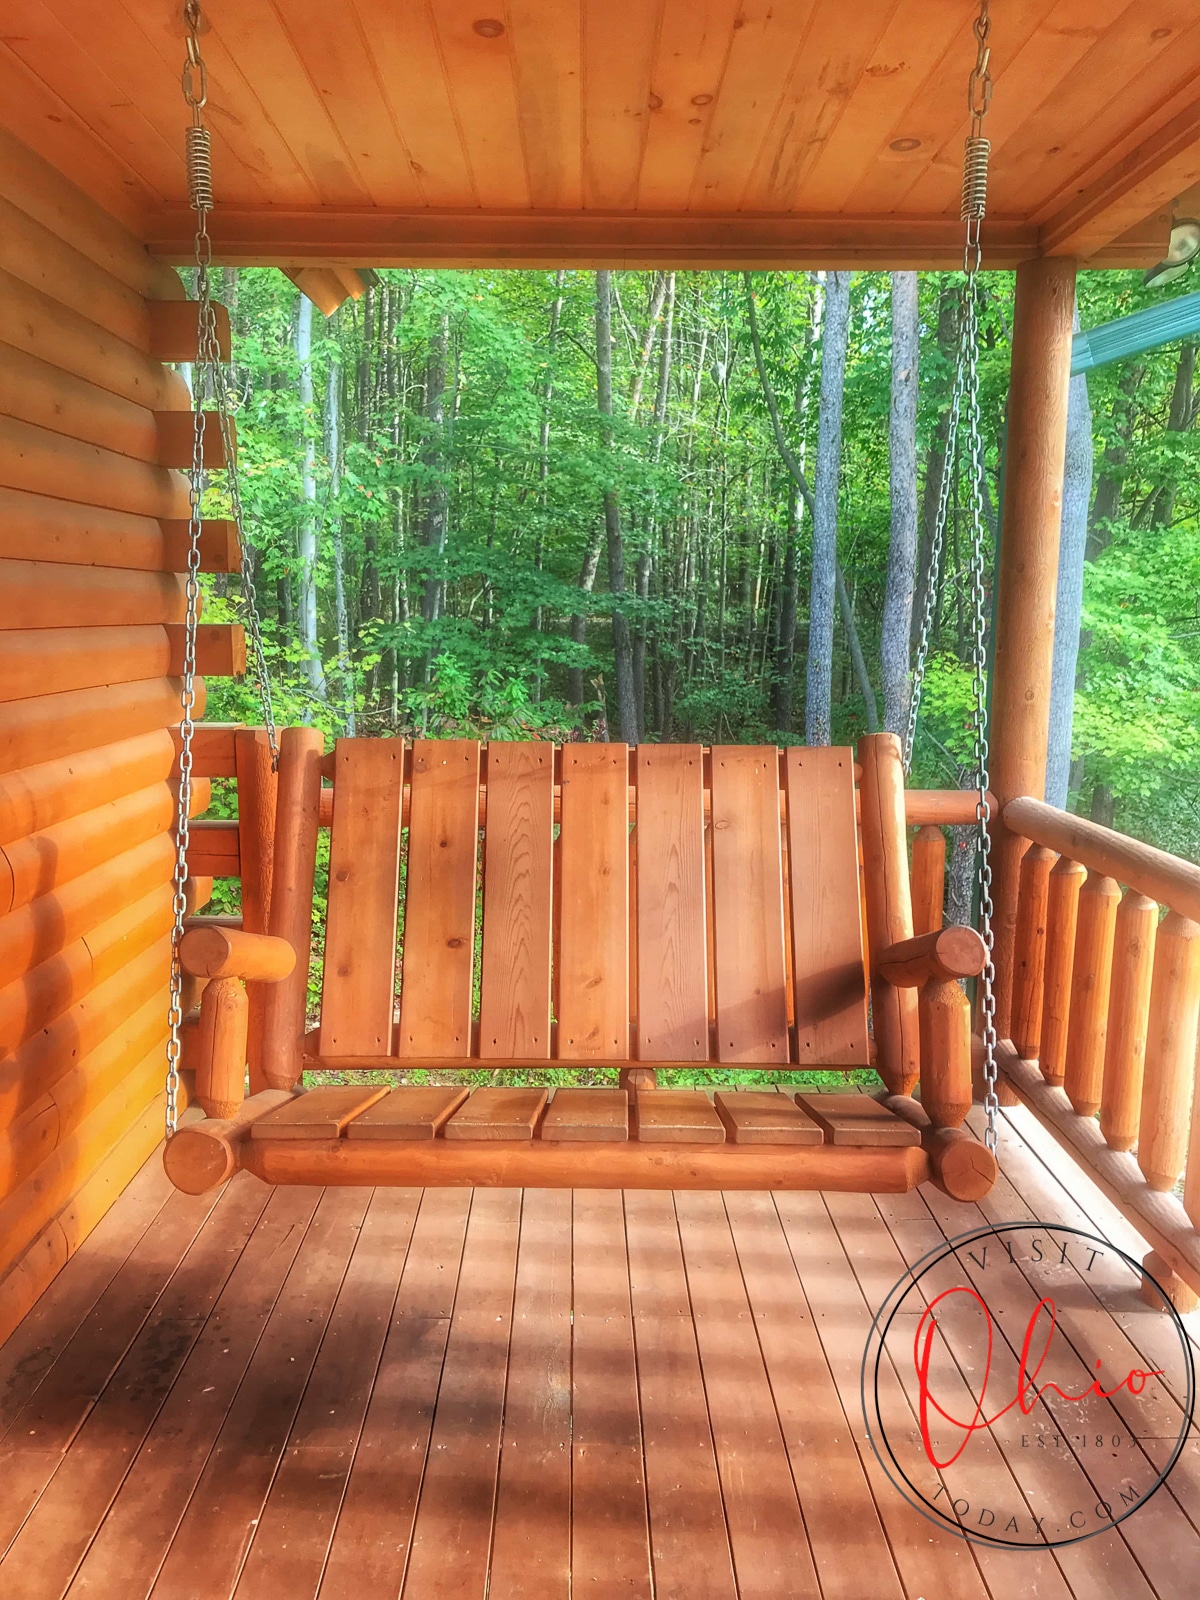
column 90, row 600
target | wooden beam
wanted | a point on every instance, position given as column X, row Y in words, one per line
column 1162, row 164
column 177, row 438
column 174, row 330
column 380, row 237
column 220, row 550
column 1028, row 572
column 220, row 649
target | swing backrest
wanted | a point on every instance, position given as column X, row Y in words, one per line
column 520, row 902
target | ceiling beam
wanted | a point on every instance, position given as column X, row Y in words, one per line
column 1148, row 177
column 277, row 236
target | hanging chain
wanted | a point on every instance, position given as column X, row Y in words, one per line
column 964, row 404
column 208, row 371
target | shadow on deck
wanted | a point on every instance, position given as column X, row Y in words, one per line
column 353, row 1395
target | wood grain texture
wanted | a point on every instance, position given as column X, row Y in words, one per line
column 439, row 906
column 592, row 970
column 496, row 1114
column 677, row 1116
column 319, row 1114
column 672, row 959
column 359, row 986
column 514, row 1004
column 591, row 1115
column 829, row 976
column 756, row 1116
column 856, row 1119
column 748, row 905
column 410, row 1112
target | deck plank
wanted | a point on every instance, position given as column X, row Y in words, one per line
column 211, row 1542
column 531, row 1546
column 688, row 1538
column 42, row 1560
column 771, row 1552
column 453, row 1533
column 134, row 1537
column 609, row 1528
column 292, row 1539
column 373, row 1536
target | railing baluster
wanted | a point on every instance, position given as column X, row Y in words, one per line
column 1128, row 1015
column 928, row 878
column 1170, row 1052
column 1062, row 912
column 1029, row 951
column 1091, row 975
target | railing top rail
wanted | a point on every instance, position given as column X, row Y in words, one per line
column 1168, row 879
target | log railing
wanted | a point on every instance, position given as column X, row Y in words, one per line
column 1105, row 1017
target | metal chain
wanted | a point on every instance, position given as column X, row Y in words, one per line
column 964, row 402
column 208, row 369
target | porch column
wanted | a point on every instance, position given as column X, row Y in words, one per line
column 1027, row 579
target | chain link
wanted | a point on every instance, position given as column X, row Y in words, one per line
column 964, row 405
column 208, row 371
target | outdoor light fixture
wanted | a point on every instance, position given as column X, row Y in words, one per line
column 1181, row 252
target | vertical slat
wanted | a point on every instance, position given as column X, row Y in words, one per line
column 748, row 905
column 593, row 958
column 359, row 988
column 889, row 906
column 439, row 909
column 285, row 1008
column 1062, row 916
column 1128, row 1015
column 258, row 792
column 514, row 1007
column 1170, row 1052
column 1091, row 975
column 1029, row 951
column 827, row 948
column 928, row 878
column 672, row 961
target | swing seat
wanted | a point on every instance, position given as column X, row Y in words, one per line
column 592, row 907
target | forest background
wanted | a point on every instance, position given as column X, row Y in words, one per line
column 580, row 505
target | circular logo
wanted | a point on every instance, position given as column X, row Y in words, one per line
column 1019, row 1391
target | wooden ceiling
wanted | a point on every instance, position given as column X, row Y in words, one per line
column 628, row 132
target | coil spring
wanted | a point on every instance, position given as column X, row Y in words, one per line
column 975, row 178
column 198, row 151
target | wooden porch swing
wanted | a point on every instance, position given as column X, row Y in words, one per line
column 631, row 909
column 636, row 909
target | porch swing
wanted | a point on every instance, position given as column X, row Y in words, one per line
column 642, row 909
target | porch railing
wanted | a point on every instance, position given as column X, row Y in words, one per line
column 1105, row 1010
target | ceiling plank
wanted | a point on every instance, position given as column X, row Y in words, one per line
column 693, row 44
column 1151, row 175
column 482, row 81
column 548, row 68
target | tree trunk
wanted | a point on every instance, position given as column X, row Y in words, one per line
column 818, row 713
column 1106, row 507
column 309, row 640
column 578, row 626
column 896, row 626
column 785, row 645
column 622, row 647
column 1179, row 420
column 857, row 660
column 433, row 454
column 333, row 445
column 1077, row 493
column 935, row 465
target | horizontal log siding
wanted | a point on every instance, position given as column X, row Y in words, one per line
column 86, row 701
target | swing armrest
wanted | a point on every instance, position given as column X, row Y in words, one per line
column 941, row 957
column 231, row 953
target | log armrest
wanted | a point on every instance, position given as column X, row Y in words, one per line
column 230, row 953
column 941, row 957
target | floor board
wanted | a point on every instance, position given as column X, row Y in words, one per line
column 452, row 1395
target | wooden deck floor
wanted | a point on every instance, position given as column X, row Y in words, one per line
column 356, row 1395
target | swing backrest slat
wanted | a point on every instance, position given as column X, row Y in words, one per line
column 672, row 920
column 592, row 975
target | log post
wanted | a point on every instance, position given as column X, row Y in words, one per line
column 1128, row 1016
column 1091, row 976
column 258, row 791
column 889, row 907
column 221, row 1048
column 1029, row 954
column 298, row 808
column 1170, row 1052
column 1062, row 914
column 928, row 878
column 933, row 963
column 1027, row 576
